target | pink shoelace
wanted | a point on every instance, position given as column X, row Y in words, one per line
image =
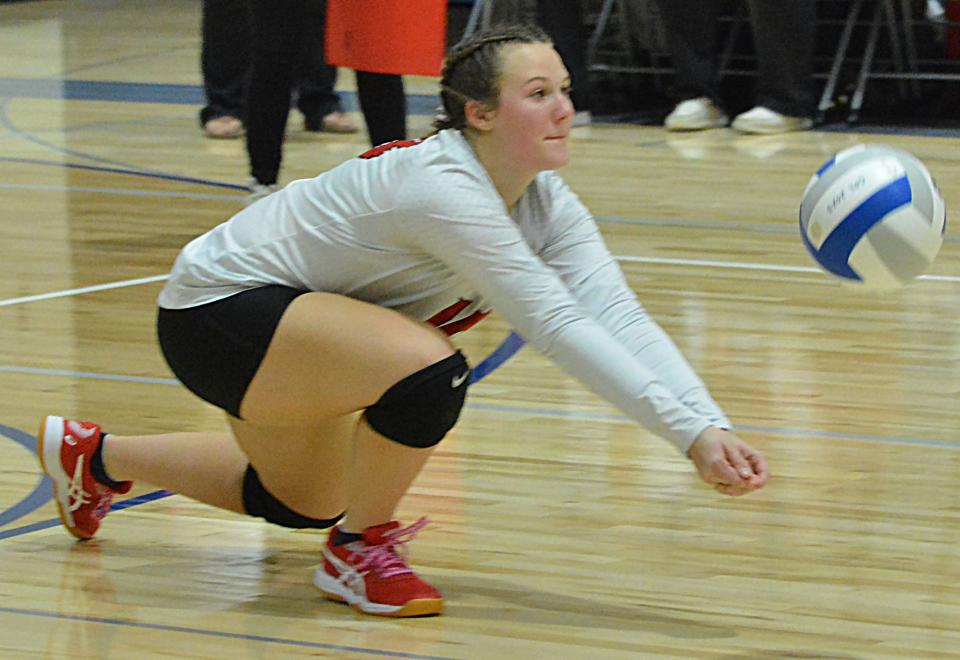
column 388, row 559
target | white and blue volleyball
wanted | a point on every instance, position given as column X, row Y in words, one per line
column 873, row 216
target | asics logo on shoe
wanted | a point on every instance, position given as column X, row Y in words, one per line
column 76, row 495
column 355, row 583
column 459, row 380
column 82, row 432
column 352, row 579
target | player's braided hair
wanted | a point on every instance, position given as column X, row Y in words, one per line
column 472, row 69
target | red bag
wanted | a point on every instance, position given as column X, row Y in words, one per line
column 387, row 36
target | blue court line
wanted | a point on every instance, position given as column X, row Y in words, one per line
column 417, row 104
column 119, row 167
column 488, row 365
column 125, row 171
column 127, row 92
column 679, row 223
column 188, row 94
column 499, row 408
column 506, row 350
column 27, row 529
column 121, row 192
column 40, row 494
column 54, row 522
column 44, row 491
column 122, row 125
column 140, row 499
column 497, row 357
column 37, row 500
column 5, row 122
column 98, row 90
column 215, row 633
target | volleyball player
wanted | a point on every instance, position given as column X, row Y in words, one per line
column 319, row 320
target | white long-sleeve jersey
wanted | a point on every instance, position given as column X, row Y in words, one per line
column 421, row 229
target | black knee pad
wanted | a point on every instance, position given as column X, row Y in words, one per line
column 258, row 502
column 420, row 409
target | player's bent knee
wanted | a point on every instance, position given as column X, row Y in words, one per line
column 260, row 503
column 420, row 409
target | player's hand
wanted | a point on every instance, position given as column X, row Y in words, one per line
column 727, row 463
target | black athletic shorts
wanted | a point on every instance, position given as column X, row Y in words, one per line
column 215, row 349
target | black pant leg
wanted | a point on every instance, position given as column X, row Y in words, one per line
column 384, row 106
column 224, row 57
column 277, row 33
column 784, row 34
column 691, row 35
column 563, row 21
column 315, row 80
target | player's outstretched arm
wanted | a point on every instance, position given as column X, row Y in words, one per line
column 727, row 463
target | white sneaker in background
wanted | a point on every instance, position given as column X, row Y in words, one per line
column 695, row 115
column 582, row 118
column 764, row 121
column 258, row 191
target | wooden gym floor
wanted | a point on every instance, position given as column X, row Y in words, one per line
column 559, row 529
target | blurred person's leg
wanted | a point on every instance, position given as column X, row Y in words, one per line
column 784, row 34
column 317, row 99
column 277, row 36
column 224, row 63
column 691, row 36
column 384, row 106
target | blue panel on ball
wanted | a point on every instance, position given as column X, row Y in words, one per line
column 826, row 166
column 834, row 253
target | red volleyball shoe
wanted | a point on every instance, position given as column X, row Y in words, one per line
column 371, row 575
column 65, row 447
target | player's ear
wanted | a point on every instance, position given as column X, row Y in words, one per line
column 479, row 115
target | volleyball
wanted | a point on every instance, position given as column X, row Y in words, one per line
column 873, row 216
